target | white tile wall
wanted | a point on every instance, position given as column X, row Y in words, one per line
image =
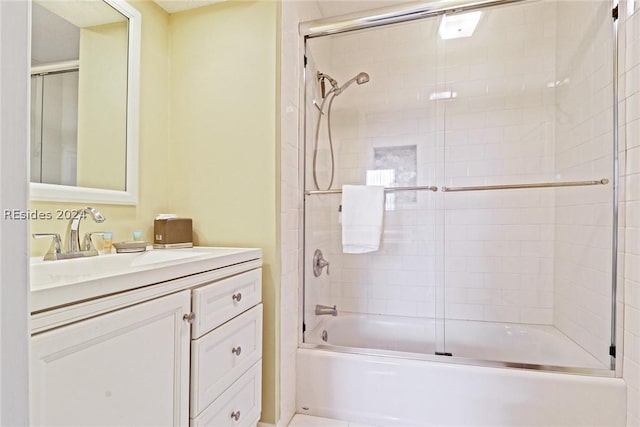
column 629, row 277
column 501, row 132
column 291, row 201
column 584, row 131
column 499, row 129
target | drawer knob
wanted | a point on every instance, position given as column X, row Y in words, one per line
column 237, row 350
column 235, row 415
column 189, row 317
column 237, row 297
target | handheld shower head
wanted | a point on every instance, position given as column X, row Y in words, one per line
column 361, row 78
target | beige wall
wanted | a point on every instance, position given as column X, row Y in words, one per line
column 224, row 170
column 208, row 143
column 102, row 107
column 154, row 143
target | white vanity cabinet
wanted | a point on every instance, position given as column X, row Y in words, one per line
column 226, row 352
column 186, row 351
column 127, row 367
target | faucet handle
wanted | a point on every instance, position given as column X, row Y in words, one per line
column 319, row 263
column 55, row 250
column 88, row 244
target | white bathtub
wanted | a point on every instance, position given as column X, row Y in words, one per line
column 405, row 388
column 492, row 341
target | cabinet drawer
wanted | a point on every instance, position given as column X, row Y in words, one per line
column 218, row 302
column 221, row 356
column 242, row 400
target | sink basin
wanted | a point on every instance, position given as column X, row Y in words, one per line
column 51, row 272
column 55, row 283
column 153, row 257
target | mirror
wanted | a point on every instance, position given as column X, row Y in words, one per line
column 85, row 60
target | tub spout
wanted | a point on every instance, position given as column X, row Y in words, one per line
column 325, row 309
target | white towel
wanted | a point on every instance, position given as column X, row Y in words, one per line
column 362, row 211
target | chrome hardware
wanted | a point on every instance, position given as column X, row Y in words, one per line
column 55, row 250
column 237, row 350
column 325, row 335
column 381, row 16
column 386, row 190
column 74, row 248
column 602, row 181
column 319, row 263
column 235, row 415
column 88, row 244
column 189, row 317
column 325, row 309
column 237, row 297
column 73, row 228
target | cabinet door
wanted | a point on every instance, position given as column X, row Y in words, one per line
column 125, row 368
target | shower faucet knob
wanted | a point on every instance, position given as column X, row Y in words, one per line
column 319, row 263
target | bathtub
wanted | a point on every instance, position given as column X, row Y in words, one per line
column 381, row 370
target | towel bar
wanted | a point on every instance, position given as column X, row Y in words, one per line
column 386, row 190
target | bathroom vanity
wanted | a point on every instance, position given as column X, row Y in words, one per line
column 164, row 337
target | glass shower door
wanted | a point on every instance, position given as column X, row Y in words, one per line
column 54, row 123
column 384, row 132
column 528, row 265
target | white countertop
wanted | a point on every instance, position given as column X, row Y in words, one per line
column 64, row 282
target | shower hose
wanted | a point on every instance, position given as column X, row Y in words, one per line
column 331, row 95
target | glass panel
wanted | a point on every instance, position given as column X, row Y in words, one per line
column 36, row 129
column 59, row 128
column 94, row 38
column 513, row 94
column 528, row 271
column 584, row 148
column 383, row 132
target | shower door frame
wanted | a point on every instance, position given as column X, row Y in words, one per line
column 421, row 10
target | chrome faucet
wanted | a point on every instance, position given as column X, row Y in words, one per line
column 73, row 230
column 325, row 309
column 73, row 249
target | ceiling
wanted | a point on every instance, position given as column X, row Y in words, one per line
column 83, row 13
column 55, row 28
column 173, row 6
column 53, row 39
column 327, row 7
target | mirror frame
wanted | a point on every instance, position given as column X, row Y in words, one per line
column 66, row 193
